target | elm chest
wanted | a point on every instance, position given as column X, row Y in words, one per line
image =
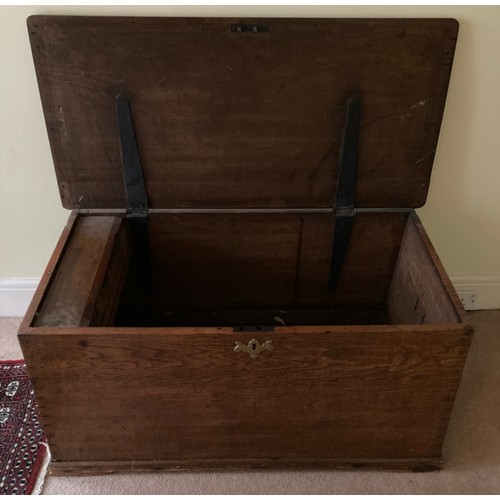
column 243, row 281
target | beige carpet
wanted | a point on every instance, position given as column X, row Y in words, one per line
column 472, row 448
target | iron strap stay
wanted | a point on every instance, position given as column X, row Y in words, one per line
column 346, row 190
column 137, row 199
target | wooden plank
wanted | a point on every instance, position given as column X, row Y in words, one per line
column 87, row 280
column 108, row 298
column 253, row 126
column 418, row 294
column 441, row 272
column 368, row 266
column 206, row 261
column 340, row 394
column 98, row 468
column 49, row 273
column 248, row 320
column 208, row 330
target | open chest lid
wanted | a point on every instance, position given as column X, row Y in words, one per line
column 232, row 113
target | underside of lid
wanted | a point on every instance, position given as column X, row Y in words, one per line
column 232, row 113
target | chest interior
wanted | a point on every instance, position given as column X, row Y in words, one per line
column 251, row 272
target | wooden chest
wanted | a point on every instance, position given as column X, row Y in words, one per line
column 243, row 281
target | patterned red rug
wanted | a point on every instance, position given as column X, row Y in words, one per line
column 22, row 441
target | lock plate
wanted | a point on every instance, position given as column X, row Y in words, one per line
column 254, row 347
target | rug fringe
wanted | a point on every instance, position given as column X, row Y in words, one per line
column 42, row 473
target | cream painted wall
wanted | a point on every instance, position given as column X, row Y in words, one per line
column 462, row 214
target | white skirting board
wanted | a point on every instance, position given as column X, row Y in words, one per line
column 16, row 294
column 487, row 290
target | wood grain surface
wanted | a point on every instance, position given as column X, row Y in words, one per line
column 76, row 468
column 225, row 261
column 418, row 294
column 449, row 289
column 160, row 395
column 368, row 266
column 49, row 273
column 78, row 283
column 227, row 119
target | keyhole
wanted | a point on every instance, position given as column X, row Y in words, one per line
column 254, row 346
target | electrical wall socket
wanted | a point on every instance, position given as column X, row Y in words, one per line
column 469, row 299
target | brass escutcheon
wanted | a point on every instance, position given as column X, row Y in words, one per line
column 254, row 347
